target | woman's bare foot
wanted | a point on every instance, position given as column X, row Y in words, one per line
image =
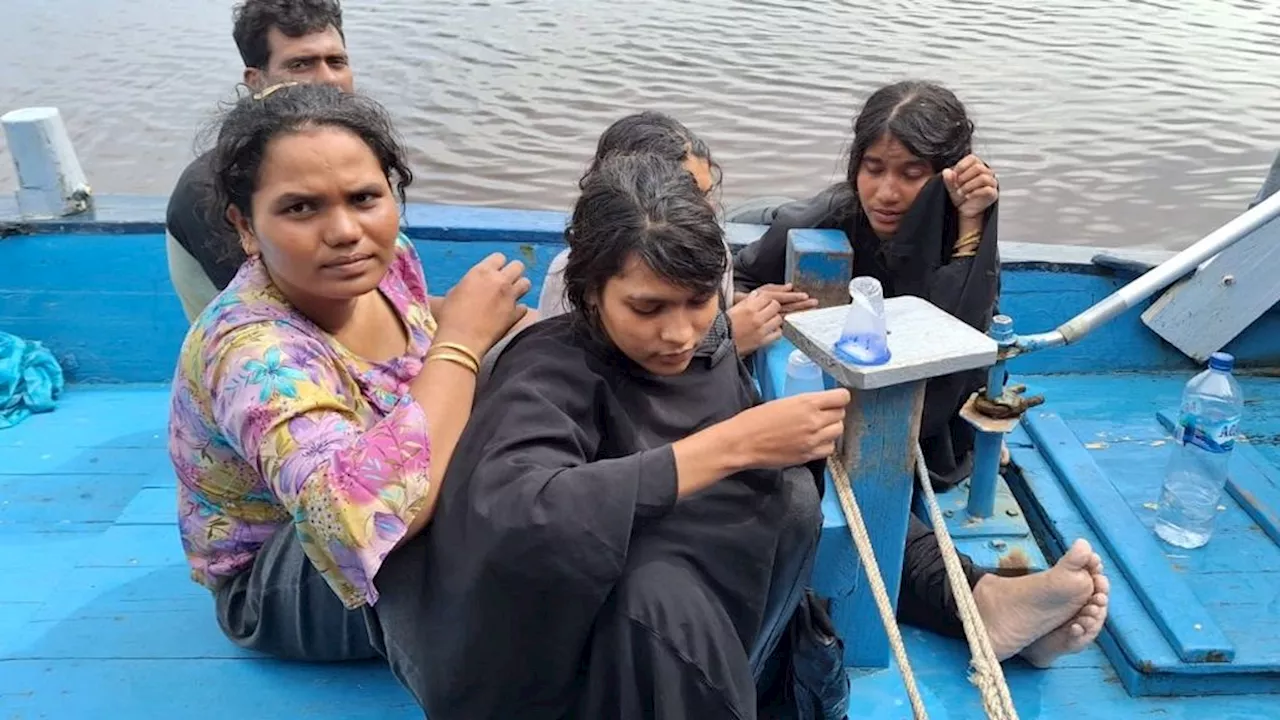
column 1018, row 611
column 1077, row 633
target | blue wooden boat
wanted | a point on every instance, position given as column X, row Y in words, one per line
column 99, row 619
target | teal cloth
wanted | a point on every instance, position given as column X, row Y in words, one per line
column 30, row 379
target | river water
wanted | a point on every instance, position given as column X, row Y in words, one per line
column 1143, row 122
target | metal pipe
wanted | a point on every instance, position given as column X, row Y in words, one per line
column 986, row 469
column 1155, row 279
column 987, row 445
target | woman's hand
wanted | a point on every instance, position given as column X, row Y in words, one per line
column 483, row 306
column 777, row 434
column 756, row 322
column 792, row 430
column 790, row 300
column 972, row 185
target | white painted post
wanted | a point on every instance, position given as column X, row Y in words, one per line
column 50, row 181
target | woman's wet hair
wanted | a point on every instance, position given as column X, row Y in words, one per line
column 928, row 119
column 644, row 206
column 652, row 133
column 255, row 120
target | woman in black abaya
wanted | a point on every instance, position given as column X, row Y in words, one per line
column 920, row 211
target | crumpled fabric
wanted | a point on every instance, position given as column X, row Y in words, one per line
column 30, row 379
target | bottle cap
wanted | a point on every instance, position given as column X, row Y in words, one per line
column 1222, row 361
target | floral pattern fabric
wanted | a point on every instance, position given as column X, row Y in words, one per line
column 274, row 422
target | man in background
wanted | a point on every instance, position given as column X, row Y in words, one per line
column 279, row 41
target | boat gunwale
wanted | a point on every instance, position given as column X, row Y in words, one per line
column 145, row 215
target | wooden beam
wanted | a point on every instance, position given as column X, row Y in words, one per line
column 1207, row 310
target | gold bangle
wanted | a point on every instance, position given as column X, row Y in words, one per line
column 967, row 245
column 456, row 358
column 460, row 348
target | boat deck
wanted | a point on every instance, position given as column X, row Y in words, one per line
column 99, row 619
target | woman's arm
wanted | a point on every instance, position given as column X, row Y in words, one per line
column 764, row 261
column 353, row 492
column 445, row 391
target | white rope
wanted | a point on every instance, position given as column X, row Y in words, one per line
column 986, row 674
column 862, row 540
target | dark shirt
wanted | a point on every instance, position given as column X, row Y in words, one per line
column 199, row 227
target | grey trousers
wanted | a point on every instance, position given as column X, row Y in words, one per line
column 283, row 607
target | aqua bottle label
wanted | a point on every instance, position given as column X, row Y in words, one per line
column 1216, row 438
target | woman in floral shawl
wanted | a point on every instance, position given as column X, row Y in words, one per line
column 318, row 399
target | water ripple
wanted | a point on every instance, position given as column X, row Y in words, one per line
column 1148, row 122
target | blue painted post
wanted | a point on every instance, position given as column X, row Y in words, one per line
column 881, row 430
column 987, row 445
column 882, row 426
column 51, row 183
column 820, row 262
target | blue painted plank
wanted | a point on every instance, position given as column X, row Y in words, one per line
column 485, row 224
column 125, row 277
column 85, row 263
column 1253, row 483
column 1136, row 470
column 1041, row 299
column 1140, row 655
column 1122, row 405
column 1193, row 632
column 151, row 506
column 112, row 591
column 110, row 213
column 51, row 499
column 200, row 689
column 1055, row 519
column 32, row 564
column 445, row 262
column 130, row 353
column 139, row 633
column 83, row 461
column 152, row 630
column 92, row 417
column 1061, row 693
column 135, row 546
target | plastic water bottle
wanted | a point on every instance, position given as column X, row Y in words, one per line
column 864, row 339
column 803, row 374
column 1208, row 423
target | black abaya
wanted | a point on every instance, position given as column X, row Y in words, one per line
column 916, row 261
column 560, row 577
